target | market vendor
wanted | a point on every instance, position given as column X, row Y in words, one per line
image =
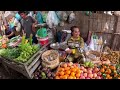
column 73, row 50
column 28, row 25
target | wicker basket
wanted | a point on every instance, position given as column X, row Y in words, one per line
column 52, row 64
column 95, row 54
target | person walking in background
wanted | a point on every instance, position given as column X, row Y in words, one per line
column 28, row 25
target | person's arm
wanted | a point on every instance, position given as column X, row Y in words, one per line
column 18, row 25
column 81, row 43
column 73, row 51
column 11, row 34
column 34, row 21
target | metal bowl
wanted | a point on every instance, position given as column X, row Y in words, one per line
column 55, row 46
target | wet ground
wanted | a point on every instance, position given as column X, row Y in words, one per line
column 5, row 75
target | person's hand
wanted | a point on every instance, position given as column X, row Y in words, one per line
column 69, row 51
column 33, row 26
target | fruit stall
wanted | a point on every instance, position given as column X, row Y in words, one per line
column 104, row 66
column 50, row 61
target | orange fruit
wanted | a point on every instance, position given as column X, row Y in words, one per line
column 74, row 77
column 72, row 74
column 115, row 75
column 67, row 72
column 70, row 77
column 77, row 75
column 108, row 71
column 57, row 74
column 104, row 67
column 73, row 69
column 61, row 73
column 102, row 70
column 112, row 67
column 65, row 77
column 67, row 68
column 60, row 69
column 57, row 77
column 61, row 77
column 78, row 71
column 108, row 76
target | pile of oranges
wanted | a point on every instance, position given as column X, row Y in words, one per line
column 109, row 72
column 68, row 71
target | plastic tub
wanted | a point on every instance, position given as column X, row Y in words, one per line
column 43, row 41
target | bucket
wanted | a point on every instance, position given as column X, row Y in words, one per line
column 43, row 41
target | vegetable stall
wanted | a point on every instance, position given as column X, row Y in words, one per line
column 21, row 55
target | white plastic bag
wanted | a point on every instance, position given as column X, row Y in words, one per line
column 62, row 15
column 91, row 45
column 71, row 17
column 106, row 27
column 52, row 19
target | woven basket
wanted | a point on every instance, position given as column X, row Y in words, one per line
column 95, row 53
column 52, row 64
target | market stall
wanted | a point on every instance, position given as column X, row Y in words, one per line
column 70, row 58
column 21, row 55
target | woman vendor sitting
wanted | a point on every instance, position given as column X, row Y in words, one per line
column 74, row 43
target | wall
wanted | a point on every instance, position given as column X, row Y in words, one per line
column 96, row 22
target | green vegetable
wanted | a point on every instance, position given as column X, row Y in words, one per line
column 30, row 40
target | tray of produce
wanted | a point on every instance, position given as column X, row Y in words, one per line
column 15, row 41
column 22, row 53
column 113, row 57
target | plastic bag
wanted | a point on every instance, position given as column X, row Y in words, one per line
column 62, row 15
column 106, row 27
column 91, row 45
column 71, row 17
column 52, row 19
column 39, row 17
column 44, row 16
